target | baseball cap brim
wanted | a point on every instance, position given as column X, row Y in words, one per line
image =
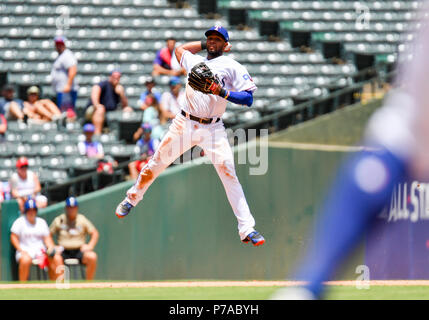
column 209, row 32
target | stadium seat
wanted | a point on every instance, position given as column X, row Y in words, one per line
column 67, row 149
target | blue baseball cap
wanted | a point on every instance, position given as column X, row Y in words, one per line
column 30, row 204
column 71, row 202
column 89, row 127
column 146, row 127
column 174, row 81
column 220, row 30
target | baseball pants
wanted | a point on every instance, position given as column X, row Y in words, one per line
column 182, row 135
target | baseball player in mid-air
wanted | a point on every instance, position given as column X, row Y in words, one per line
column 212, row 81
column 397, row 148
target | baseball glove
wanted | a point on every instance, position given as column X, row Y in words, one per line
column 202, row 79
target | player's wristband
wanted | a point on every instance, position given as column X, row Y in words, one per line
column 224, row 93
column 203, row 45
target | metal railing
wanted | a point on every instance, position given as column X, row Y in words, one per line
column 357, row 77
column 88, row 181
column 321, row 105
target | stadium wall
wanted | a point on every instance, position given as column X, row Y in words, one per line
column 342, row 127
column 185, row 228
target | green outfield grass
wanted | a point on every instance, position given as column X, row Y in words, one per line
column 211, row 293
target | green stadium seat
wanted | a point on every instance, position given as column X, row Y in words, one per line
column 67, row 149
column 45, row 150
column 7, row 163
column 53, row 176
column 5, row 174
column 33, row 137
column 250, row 115
column 54, row 162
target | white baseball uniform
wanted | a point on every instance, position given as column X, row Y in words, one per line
column 184, row 133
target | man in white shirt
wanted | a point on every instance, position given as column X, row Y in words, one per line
column 31, row 238
column 63, row 76
column 170, row 100
column 25, row 183
column 199, row 123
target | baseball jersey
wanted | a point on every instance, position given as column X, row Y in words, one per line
column 231, row 74
column 30, row 235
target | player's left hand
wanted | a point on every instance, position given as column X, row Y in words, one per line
column 202, row 79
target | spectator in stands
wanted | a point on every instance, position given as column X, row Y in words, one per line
column 71, row 229
column 4, row 191
column 24, row 184
column 40, row 109
column 63, row 74
column 10, row 107
column 153, row 111
column 147, row 146
column 165, row 61
column 94, row 149
column 31, row 239
column 150, row 84
column 105, row 97
column 90, row 148
column 3, row 128
column 170, row 105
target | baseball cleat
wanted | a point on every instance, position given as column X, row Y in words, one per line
column 255, row 237
column 123, row 209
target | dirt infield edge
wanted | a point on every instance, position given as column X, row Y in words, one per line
column 172, row 284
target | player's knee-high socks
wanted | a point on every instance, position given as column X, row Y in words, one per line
column 362, row 188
